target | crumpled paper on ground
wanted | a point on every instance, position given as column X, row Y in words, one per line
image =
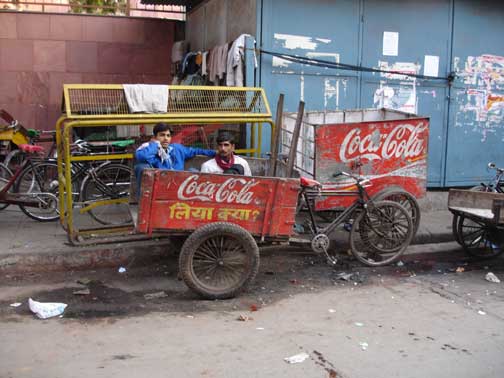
column 46, row 310
column 296, row 359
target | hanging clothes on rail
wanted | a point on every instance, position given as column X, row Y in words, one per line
column 218, row 63
column 236, row 61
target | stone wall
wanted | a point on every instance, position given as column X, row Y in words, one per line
column 41, row 52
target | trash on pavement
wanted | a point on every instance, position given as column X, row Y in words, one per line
column 244, row 318
column 122, row 270
column 460, row 269
column 345, row 276
column 332, row 310
column 84, row 281
column 159, row 294
column 481, row 312
column 46, row 310
column 400, row 263
column 82, row 292
column 297, row 358
column 490, row 277
column 253, row 308
column 363, row 345
column 260, row 328
column 17, row 304
column 358, row 324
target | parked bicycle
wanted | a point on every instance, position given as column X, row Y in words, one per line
column 380, row 230
column 33, row 186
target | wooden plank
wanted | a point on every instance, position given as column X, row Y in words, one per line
column 472, row 199
column 276, row 136
column 295, row 139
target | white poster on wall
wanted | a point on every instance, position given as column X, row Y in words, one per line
column 431, row 65
column 390, row 43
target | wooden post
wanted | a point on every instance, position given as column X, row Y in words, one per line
column 295, row 139
column 276, row 136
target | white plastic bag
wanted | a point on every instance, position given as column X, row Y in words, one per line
column 46, row 310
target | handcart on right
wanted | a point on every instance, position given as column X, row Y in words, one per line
column 478, row 224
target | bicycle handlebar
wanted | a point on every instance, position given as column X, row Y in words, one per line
column 494, row 166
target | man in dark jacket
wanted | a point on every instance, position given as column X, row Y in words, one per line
column 159, row 152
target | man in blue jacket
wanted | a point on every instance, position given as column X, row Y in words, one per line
column 159, row 152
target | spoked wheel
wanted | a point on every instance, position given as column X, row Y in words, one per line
column 40, row 182
column 381, row 234
column 219, row 260
column 479, row 239
column 5, row 175
column 456, row 217
column 109, row 187
column 406, row 200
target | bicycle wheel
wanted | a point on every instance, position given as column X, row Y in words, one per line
column 108, row 182
column 406, row 200
column 40, row 182
column 480, row 239
column 5, row 175
column 381, row 233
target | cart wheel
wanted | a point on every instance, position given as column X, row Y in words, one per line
column 381, row 234
column 219, row 260
column 456, row 217
column 405, row 199
column 479, row 239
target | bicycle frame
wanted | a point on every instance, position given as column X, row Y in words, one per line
column 360, row 203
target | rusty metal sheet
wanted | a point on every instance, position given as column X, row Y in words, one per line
column 184, row 201
column 391, row 153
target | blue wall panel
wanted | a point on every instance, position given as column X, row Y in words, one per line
column 466, row 119
column 476, row 132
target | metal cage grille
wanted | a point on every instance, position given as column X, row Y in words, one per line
column 98, row 100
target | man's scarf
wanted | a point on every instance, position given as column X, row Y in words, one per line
column 224, row 164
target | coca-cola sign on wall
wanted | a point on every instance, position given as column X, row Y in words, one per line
column 233, row 190
column 404, row 141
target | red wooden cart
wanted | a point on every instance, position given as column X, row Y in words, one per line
column 223, row 215
column 221, row 218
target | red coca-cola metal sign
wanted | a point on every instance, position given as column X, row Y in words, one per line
column 389, row 153
column 184, row 201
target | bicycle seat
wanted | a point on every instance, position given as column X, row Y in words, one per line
column 309, row 183
column 31, row 148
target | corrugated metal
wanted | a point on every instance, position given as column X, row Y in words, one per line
column 434, row 37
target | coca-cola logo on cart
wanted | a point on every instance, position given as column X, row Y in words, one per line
column 403, row 141
column 233, row 190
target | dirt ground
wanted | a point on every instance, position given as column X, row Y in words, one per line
column 434, row 316
column 142, row 289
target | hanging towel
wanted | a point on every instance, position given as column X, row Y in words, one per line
column 144, row 98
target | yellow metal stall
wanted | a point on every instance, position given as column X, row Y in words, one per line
column 90, row 105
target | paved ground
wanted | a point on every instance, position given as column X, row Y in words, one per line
column 419, row 319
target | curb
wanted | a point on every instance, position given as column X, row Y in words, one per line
column 82, row 258
column 124, row 254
